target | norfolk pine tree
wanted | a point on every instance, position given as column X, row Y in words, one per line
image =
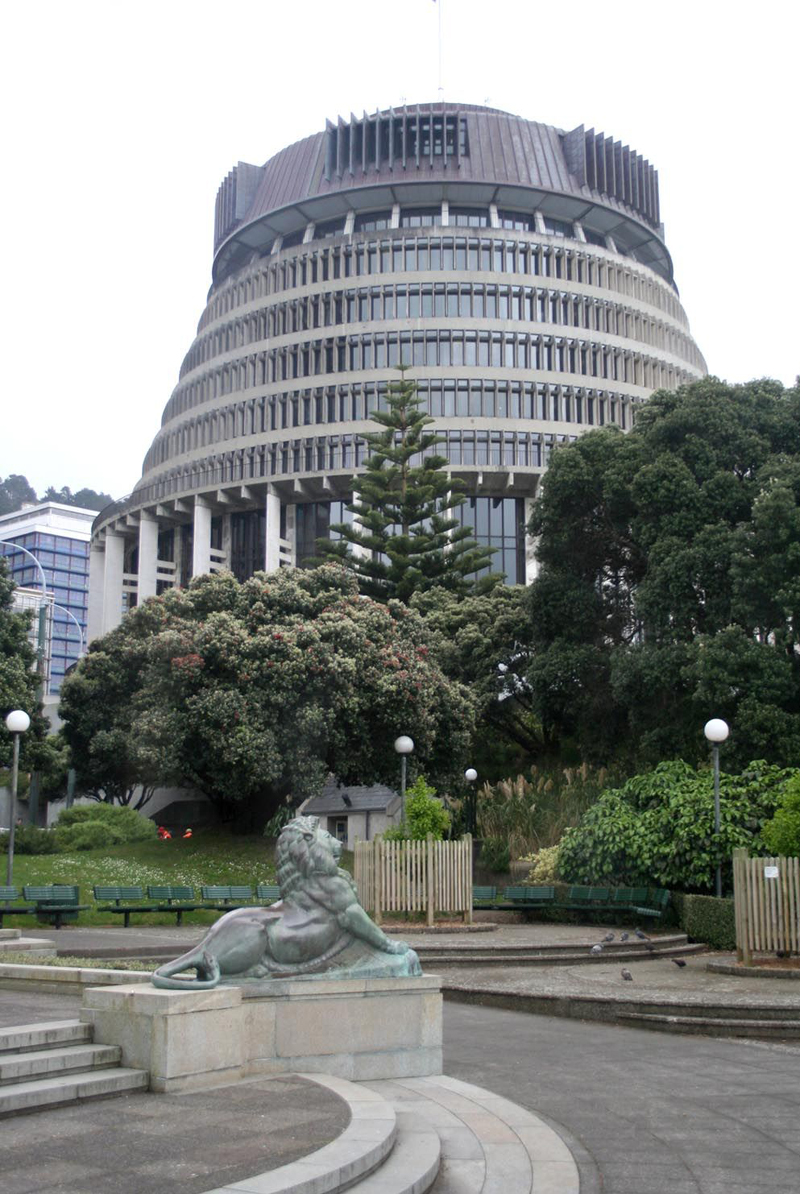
column 405, row 540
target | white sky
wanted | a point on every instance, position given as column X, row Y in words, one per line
column 121, row 119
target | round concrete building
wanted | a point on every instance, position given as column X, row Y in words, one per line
column 519, row 270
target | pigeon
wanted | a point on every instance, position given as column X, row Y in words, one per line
column 649, row 946
column 626, row 974
column 642, row 936
column 597, row 949
column 624, row 936
column 781, row 953
column 609, row 937
column 679, row 962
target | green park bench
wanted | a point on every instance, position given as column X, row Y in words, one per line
column 481, row 896
column 223, row 898
column 529, row 897
column 173, row 898
column 267, row 893
column 59, row 901
column 626, row 898
column 8, row 907
column 588, row 899
column 657, row 904
column 119, row 900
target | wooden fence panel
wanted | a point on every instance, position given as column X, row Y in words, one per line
column 766, row 894
column 430, row 876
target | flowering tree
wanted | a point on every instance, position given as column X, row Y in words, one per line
column 253, row 692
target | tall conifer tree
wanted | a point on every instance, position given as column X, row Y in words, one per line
column 403, row 538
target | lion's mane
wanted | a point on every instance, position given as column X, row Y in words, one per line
column 304, row 852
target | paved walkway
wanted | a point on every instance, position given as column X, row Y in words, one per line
column 643, row 1112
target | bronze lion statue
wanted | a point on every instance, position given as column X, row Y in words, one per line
column 318, row 927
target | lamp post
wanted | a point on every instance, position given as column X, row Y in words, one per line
column 470, row 775
column 17, row 723
column 716, row 731
column 404, row 746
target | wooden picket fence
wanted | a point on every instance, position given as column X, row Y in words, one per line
column 766, row 893
column 427, row 876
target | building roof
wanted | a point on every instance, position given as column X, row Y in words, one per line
column 376, row 798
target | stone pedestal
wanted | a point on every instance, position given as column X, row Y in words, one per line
column 355, row 1028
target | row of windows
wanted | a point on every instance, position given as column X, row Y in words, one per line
column 443, row 398
column 439, row 349
column 324, row 454
column 493, row 253
column 436, row 300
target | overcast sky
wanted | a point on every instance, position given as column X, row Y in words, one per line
column 121, row 119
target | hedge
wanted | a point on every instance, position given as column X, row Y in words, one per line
column 707, row 919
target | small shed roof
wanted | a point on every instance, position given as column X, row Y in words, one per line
column 361, row 799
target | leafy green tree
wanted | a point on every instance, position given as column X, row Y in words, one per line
column 669, row 586
column 254, row 692
column 404, row 538
column 17, row 677
column 782, row 833
column 88, row 498
column 15, row 491
column 424, row 814
column 659, row 827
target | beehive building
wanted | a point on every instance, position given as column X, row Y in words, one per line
column 519, row 270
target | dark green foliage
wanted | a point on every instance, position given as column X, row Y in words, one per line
column 254, row 692
column 658, row 828
column 30, row 840
column 124, row 824
column 15, row 491
column 670, row 583
column 495, row 855
column 88, row 498
column 89, row 835
column 17, row 678
column 406, row 539
column 782, row 834
column 707, row 919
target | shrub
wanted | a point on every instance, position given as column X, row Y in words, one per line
column 123, row 824
column 708, row 919
column 424, row 814
column 90, row 835
column 532, row 813
column 495, row 855
column 544, row 866
column 30, row 840
column 658, row 829
column 782, row 834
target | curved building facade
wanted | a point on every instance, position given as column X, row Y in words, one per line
column 519, row 270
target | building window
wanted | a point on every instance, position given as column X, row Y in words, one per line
column 419, row 217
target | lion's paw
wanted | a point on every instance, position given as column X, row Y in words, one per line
column 397, row 947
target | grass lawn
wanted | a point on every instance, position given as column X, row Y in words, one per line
column 209, row 856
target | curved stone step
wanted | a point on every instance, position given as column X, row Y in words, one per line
column 66, row 1059
column 361, row 1148
column 788, row 1029
column 49, row 1092
column 505, row 949
column 576, row 958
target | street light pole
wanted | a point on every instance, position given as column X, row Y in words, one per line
column 17, row 723
column 404, row 746
column 716, row 731
column 470, row 775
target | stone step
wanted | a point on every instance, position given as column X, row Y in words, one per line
column 45, row 1035
column 411, row 1167
column 10, row 934
column 788, row 1029
column 428, row 948
column 524, row 958
column 68, row 1059
column 50, row 1092
column 37, row 947
column 361, row 1149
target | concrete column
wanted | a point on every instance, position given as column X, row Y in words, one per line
column 148, row 556
column 201, row 542
column 273, row 548
column 97, row 566
column 112, row 581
